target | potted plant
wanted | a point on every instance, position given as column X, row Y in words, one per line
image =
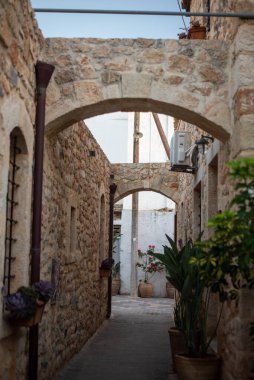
column 176, row 262
column 25, row 306
column 116, row 282
column 106, row 267
column 224, row 264
column 149, row 265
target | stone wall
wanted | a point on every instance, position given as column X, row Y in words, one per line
column 234, row 343
column 21, row 43
column 74, row 182
column 186, row 79
column 220, row 28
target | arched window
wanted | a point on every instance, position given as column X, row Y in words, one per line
column 15, row 211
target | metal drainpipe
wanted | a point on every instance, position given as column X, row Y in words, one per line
column 43, row 73
column 112, row 189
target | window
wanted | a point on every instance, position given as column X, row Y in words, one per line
column 73, row 230
column 15, row 208
column 197, row 212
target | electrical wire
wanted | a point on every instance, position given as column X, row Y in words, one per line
column 182, row 16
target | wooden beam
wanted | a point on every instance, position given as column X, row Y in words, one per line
column 162, row 134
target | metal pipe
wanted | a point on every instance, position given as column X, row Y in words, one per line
column 112, row 189
column 134, row 211
column 43, row 73
column 145, row 13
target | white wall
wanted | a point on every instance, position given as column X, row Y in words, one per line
column 111, row 132
column 152, row 228
column 149, row 200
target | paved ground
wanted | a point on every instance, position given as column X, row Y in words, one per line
column 132, row 345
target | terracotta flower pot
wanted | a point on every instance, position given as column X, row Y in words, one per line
column 116, row 284
column 207, row 368
column 177, row 344
column 34, row 320
column 170, row 290
column 197, row 33
column 105, row 272
column 145, row 290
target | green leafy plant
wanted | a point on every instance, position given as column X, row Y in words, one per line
column 225, row 262
column 116, row 270
column 228, row 256
column 191, row 307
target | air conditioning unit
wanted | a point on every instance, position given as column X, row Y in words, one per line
column 180, row 152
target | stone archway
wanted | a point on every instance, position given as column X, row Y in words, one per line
column 131, row 178
column 186, row 79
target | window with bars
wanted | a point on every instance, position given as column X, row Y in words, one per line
column 11, row 207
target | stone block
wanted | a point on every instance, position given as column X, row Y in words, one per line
column 136, row 85
column 88, row 92
column 244, row 102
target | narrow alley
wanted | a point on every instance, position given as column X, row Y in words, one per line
column 132, row 344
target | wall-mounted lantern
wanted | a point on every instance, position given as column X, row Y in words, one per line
column 202, row 142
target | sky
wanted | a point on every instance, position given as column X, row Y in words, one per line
column 110, row 26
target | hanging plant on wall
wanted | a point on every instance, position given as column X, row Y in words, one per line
column 25, row 307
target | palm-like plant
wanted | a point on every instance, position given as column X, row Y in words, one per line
column 190, row 310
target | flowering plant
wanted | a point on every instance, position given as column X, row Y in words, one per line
column 150, row 264
column 22, row 304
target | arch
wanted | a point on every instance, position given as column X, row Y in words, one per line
column 136, row 189
column 15, row 120
column 156, row 177
column 72, row 116
column 177, row 78
column 16, row 210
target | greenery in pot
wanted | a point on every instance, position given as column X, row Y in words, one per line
column 226, row 260
column 199, row 269
column 116, row 266
column 116, row 270
column 229, row 253
column 190, row 309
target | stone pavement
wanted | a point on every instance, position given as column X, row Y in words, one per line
column 132, row 345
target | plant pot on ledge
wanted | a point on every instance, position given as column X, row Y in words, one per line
column 34, row 320
column 197, row 32
column 106, row 267
column 25, row 307
column 105, row 273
